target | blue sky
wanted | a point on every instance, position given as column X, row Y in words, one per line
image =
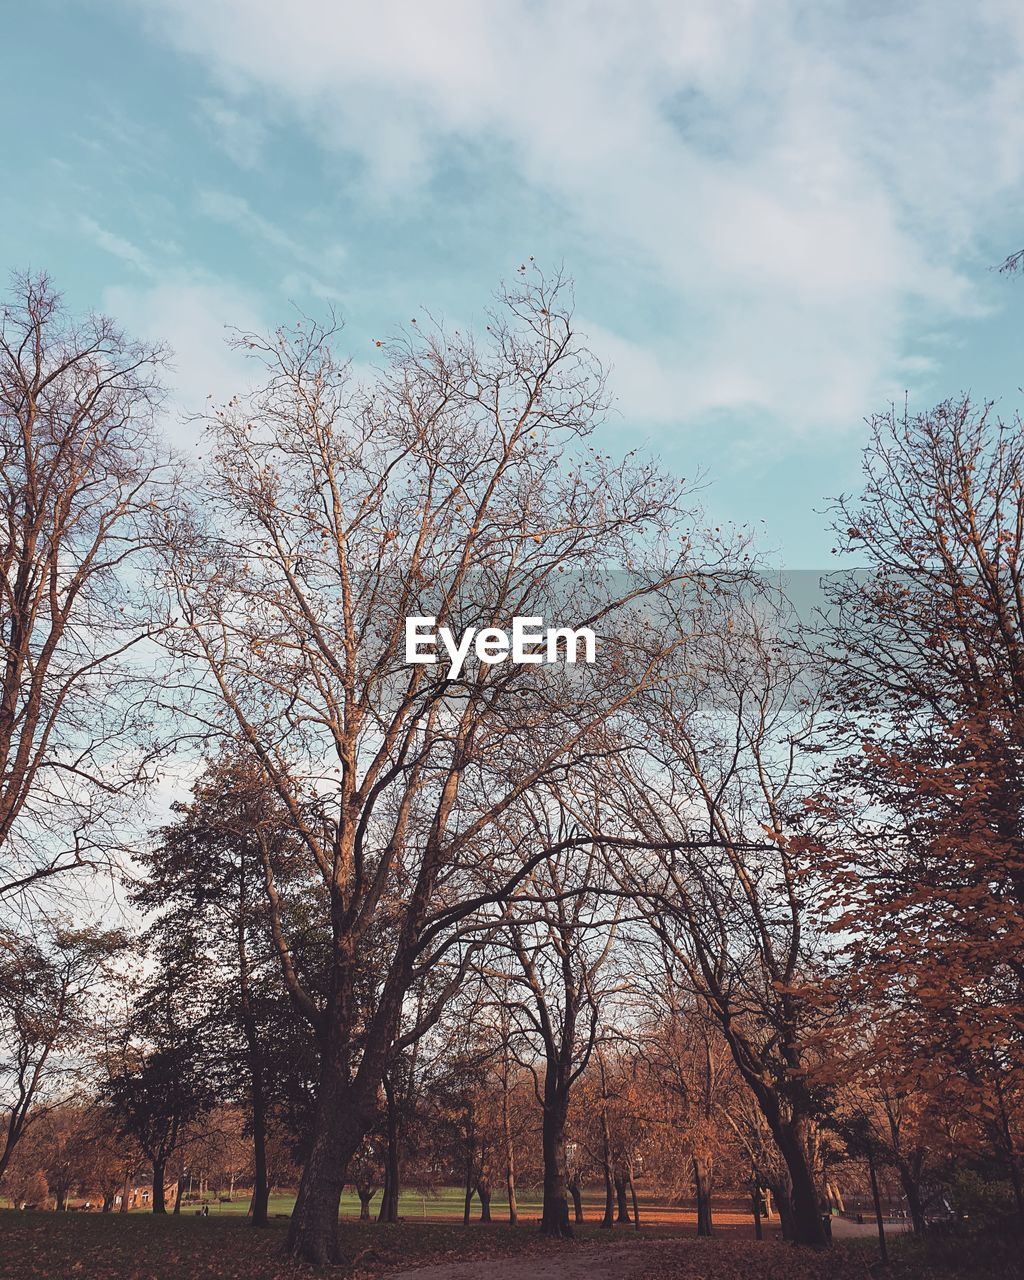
column 779, row 215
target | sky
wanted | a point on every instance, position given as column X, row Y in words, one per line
column 780, row 216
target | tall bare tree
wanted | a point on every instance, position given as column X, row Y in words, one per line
column 79, row 472
column 460, row 486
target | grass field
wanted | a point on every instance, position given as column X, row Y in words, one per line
column 443, row 1205
column 446, row 1205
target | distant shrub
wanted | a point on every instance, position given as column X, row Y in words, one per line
column 980, row 1204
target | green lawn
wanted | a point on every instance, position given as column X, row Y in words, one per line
column 444, row 1203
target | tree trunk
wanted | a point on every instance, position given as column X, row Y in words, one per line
column 883, row 1248
column 468, row 1203
column 912, row 1190
column 784, row 1208
column 805, row 1224
column 806, row 1221
column 577, row 1200
column 345, row 1108
column 108, row 1201
column 61, row 1200
column 702, row 1191
column 609, row 1196
column 555, row 1218
column 159, row 1204
column 342, row 1117
column 620, row 1196
column 483, row 1190
column 365, row 1196
column 510, row 1184
column 606, row 1153
column 632, row 1196
column 510, row 1155
column 178, row 1193
column 260, row 1206
column 388, row 1211
column 385, row 1198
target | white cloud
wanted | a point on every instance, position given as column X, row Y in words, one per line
column 299, row 282
column 237, row 212
column 116, row 245
column 802, row 182
column 234, row 211
column 193, row 316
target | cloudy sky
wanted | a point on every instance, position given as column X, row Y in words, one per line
column 779, row 215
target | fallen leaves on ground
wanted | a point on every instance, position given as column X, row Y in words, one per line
column 78, row 1246
column 735, row 1259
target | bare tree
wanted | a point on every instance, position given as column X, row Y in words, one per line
column 560, row 937
column 459, row 487
column 79, row 471
column 723, row 763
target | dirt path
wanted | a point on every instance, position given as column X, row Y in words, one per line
column 593, row 1262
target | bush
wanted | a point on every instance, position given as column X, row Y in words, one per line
column 981, row 1204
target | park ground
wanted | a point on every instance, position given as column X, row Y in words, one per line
column 36, row 1245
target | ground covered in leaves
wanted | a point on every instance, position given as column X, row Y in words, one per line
column 48, row 1246
column 51, row 1246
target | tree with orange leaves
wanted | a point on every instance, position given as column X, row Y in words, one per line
column 926, row 651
